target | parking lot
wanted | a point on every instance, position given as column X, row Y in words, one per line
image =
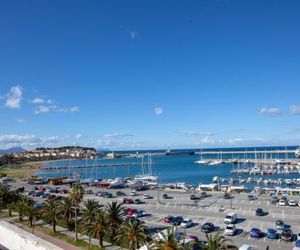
column 211, row 209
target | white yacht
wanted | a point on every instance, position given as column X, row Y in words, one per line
column 297, row 153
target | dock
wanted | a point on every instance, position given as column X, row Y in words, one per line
column 245, row 152
column 91, row 166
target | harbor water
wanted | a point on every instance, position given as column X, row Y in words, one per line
column 169, row 169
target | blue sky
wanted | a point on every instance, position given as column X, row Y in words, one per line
column 149, row 74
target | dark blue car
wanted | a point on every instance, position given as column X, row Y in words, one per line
column 256, row 233
column 272, row 234
column 177, row 221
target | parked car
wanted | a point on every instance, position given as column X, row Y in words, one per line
column 207, row 227
column 227, row 196
column 297, row 244
column 120, row 193
column 147, row 196
column 230, row 218
column 260, row 212
column 194, row 197
column 246, row 247
column 230, row 230
column 279, row 224
column 131, row 211
column 177, row 221
column 133, row 193
column 186, row 223
column 272, row 234
column 282, row 202
column 168, row 219
column 292, row 203
column 204, row 194
column 89, row 191
column 166, row 196
column 139, row 213
column 287, row 234
column 251, row 197
column 256, row 233
column 127, row 201
column 137, row 201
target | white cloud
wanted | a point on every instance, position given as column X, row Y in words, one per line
column 117, row 135
column 20, row 120
column 26, row 141
column 78, row 136
column 236, row 140
column 14, row 97
column 133, row 35
column 42, row 109
column 270, row 111
column 196, row 133
column 158, row 110
column 40, row 100
column 295, row 109
column 208, row 140
column 74, row 109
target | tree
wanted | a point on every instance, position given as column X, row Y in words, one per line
column 97, row 228
column 89, row 210
column 51, row 212
column 167, row 241
column 114, row 216
column 21, row 206
column 31, row 212
column 216, row 242
column 131, row 235
column 66, row 209
column 76, row 196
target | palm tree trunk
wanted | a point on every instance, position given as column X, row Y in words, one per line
column 76, row 235
column 101, row 241
column 54, row 226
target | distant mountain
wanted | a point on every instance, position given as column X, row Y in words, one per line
column 12, row 150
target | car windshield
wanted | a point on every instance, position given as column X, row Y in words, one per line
column 228, row 217
column 229, row 227
column 279, row 222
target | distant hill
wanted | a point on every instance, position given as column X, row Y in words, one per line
column 12, row 150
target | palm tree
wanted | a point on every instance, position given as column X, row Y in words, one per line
column 167, row 241
column 66, row 208
column 131, row 235
column 31, row 212
column 97, row 228
column 216, row 242
column 114, row 215
column 76, row 196
column 20, row 206
column 52, row 212
column 89, row 210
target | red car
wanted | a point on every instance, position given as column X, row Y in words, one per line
column 131, row 211
column 127, row 201
column 168, row 219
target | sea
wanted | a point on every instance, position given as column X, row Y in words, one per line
column 169, row 169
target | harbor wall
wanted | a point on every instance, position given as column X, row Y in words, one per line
column 14, row 238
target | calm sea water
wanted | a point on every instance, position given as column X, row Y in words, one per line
column 169, row 168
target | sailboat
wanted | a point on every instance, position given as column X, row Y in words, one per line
column 201, row 160
column 146, row 172
column 297, row 152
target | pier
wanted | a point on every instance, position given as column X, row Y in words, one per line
column 245, row 152
column 91, row 166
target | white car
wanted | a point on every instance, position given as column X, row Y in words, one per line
column 282, row 202
column 133, row 193
column 292, row 203
column 186, row 223
column 230, row 230
column 147, row 196
column 230, row 218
